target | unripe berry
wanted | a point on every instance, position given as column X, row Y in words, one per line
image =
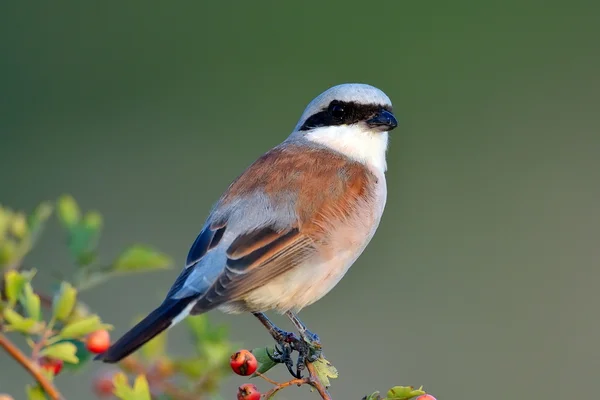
column 51, row 365
column 98, row 342
column 243, row 363
column 248, row 391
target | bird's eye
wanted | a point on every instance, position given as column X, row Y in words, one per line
column 337, row 110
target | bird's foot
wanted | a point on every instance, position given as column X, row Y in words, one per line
column 283, row 355
column 309, row 350
column 313, row 346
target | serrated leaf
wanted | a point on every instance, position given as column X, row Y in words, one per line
column 325, row 370
column 68, row 211
column 64, row 301
column 35, row 392
column 403, row 393
column 31, row 302
column 141, row 258
column 121, row 387
column 18, row 323
column 64, row 351
column 123, row 391
column 14, row 283
column 264, row 361
column 83, row 327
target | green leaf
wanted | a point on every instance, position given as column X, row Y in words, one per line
column 264, row 361
column 82, row 242
column 141, row 258
column 14, row 282
column 325, row 370
column 68, row 211
column 141, row 388
column 35, row 392
column 64, row 301
column 16, row 322
column 123, row 391
column 64, row 351
column 403, row 393
column 82, row 354
column 31, row 302
column 83, row 327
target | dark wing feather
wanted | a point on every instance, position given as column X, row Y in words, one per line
column 207, row 240
column 254, row 259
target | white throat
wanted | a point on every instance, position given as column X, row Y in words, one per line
column 356, row 143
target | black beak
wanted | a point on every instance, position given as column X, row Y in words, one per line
column 383, row 120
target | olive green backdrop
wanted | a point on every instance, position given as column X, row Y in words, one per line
column 482, row 280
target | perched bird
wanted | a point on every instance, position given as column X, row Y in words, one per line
column 288, row 228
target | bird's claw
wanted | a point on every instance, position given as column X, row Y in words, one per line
column 283, row 355
column 308, row 348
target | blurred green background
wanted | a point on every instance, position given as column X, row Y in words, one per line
column 482, row 280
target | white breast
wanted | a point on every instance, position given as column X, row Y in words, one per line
column 307, row 283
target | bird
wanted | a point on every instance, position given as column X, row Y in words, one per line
column 286, row 231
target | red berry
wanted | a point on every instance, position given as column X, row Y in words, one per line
column 243, row 363
column 98, row 342
column 248, row 391
column 51, row 365
column 425, row 397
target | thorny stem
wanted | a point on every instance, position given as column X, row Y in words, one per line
column 31, row 367
column 311, row 380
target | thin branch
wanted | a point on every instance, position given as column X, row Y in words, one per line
column 32, row 368
column 311, row 380
column 316, row 383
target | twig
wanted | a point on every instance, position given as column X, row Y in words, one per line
column 32, row 368
column 316, row 383
column 37, row 347
column 311, row 380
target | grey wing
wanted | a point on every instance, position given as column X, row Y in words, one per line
column 250, row 245
column 208, row 239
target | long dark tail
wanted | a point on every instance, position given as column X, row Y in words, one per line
column 166, row 315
